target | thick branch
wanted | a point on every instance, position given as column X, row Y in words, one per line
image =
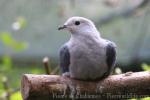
column 47, row 87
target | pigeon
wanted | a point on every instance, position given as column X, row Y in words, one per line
column 86, row 56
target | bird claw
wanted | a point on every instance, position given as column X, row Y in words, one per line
column 99, row 89
column 69, row 85
column 72, row 94
column 74, row 91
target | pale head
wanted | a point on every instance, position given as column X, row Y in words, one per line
column 79, row 25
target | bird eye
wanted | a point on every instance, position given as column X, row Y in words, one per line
column 77, row 23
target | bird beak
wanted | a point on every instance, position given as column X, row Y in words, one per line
column 62, row 27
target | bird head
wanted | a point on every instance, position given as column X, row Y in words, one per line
column 79, row 25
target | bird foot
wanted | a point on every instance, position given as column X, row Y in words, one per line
column 74, row 91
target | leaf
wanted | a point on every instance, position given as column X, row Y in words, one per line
column 145, row 67
column 6, row 62
column 22, row 22
column 9, row 41
column 147, row 98
column 36, row 71
column 6, row 38
column 20, row 46
column 16, row 96
column 1, row 89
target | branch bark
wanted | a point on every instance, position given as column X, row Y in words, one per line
column 123, row 86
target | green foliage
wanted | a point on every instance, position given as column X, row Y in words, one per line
column 14, row 82
column 10, row 42
column 16, row 96
column 147, row 98
column 145, row 67
column 22, row 22
column 35, row 71
column 6, row 38
column 1, row 88
column 6, row 65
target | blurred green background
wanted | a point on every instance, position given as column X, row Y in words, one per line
column 28, row 33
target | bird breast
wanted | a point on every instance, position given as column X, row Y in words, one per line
column 87, row 59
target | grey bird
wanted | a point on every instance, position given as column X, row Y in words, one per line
column 86, row 56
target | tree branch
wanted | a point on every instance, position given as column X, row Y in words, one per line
column 123, row 86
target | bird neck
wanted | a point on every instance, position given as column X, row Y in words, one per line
column 85, row 36
column 86, row 32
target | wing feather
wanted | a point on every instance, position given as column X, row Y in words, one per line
column 64, row 59
column 110, row 54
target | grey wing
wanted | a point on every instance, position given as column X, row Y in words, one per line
column 64, row 56
column 110, row 54
column 110, row 57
